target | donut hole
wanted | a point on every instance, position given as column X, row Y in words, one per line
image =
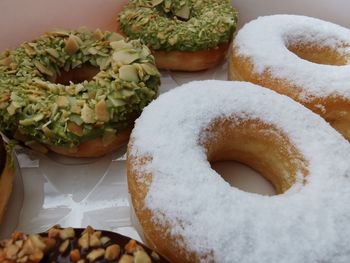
column 77, row 75
column 258, row 145
column 318, row 54
column 243, row 177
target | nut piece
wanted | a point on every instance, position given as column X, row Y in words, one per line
column 67, row 233
column 131, row 246
column 84, row 241
column 53, row 232
column 95, row 254
column 36, row 256
column 37, row 241
column 105, row 240
column 12, row 251
column 72, row 45
column 95, row 239
column 112, row 252
column 126, row 259
column 142, row 257
column 75, row 255
column 63, row 247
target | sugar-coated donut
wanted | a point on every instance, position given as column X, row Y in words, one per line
column 190, row 214
column 187, row 35
column 90, row 110
column 304, row 58
column 7, row 177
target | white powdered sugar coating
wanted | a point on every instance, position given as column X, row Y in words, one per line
column 309, row 224
column 265, row 40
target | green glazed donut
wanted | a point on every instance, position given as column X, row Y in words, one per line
column 185, row 25
column 40, row 111
column 185, row 35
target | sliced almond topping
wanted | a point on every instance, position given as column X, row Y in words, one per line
column 75, row 128
column 62, row 101
column 6, row 61
column 72, row 45
column 98, row 34
column 101, row 111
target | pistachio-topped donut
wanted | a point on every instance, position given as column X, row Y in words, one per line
column 198, row 31
column 88, row 118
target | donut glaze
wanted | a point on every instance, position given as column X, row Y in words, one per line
column 190, row 214
column 304, row 58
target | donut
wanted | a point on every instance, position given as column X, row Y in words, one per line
column 75, row 245
column 186, row 35
column 75, row 92
column 7, row 176
column 190, row 214
column 304, row 58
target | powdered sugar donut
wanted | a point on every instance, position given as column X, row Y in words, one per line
column 190, row 214
column 302, row 57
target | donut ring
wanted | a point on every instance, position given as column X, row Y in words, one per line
column 7, row 177
column 83, row 118
column 304, row 58
column 197, row 32
column 190, row 214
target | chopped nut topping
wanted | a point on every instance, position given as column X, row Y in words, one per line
column 78, row 246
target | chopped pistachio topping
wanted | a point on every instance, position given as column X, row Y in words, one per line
column 34, row 107
column 185, row 25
